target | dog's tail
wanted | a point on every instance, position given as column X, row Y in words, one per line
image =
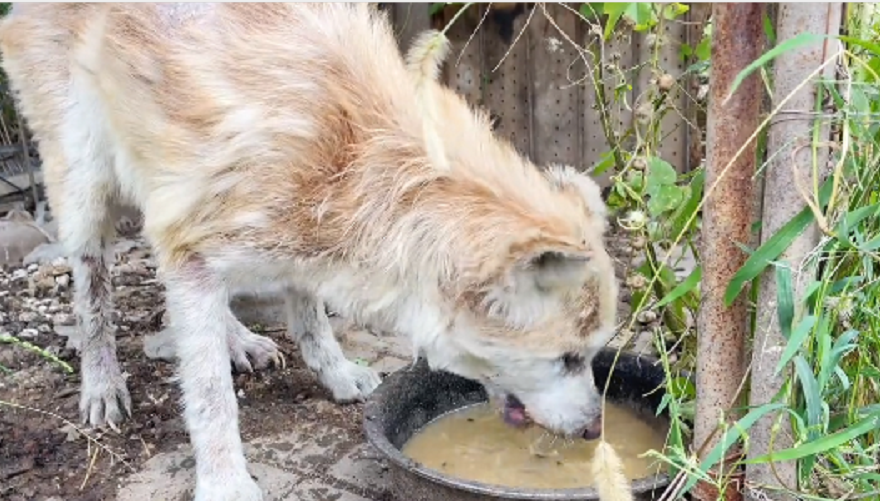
column 423, row 61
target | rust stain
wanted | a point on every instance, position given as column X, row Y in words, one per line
column 737, row 41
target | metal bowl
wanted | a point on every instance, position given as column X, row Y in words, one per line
column 412, row 397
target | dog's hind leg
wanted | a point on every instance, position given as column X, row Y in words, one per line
column 248, row 350
column 309, row 326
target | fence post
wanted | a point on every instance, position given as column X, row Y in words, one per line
column 730, row 167
column 781, row 203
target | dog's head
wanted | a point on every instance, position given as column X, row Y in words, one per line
column 535, row 297
column 543, row 307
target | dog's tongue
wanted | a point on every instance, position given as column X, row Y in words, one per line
column 514, row 412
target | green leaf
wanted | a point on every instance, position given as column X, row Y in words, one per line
column 614, row 11
column 773, row 247
column 436, row 8
column 769, row 32
column 674, row 10
column 606, row 161
column 793, row 43
column 784, row 299
column 681, row 219
column 730, row 438
column 770, row 250
column 870, row 46
column 820, row 445
column 704, row 49
column 687, row 285
column 642, row 15
column 665, row 199
column 592, row 11
column 810, row 390
column 795, row 341
column 660, row 173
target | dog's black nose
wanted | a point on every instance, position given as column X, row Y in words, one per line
column 593, row 430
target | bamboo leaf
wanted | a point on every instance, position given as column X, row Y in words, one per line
column 770, row 250
column 729, row 438
column 810, row 390
column 784, row 299
column 792, row 43
column 795, row 341
column 822, row 444
column 773, row 247
column 687, row 285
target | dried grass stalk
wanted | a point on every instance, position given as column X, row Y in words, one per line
column 607, row 467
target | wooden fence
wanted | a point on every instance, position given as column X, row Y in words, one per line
column 539, row 93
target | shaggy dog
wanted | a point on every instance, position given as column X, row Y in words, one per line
column 290, row 149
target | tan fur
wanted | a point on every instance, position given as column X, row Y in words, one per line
column 284, row 147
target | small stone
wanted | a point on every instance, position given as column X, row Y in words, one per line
column 27, row 317
column 646, row 317
column 63, row 281
column 44, row 328
column 63, row 319
column 33, row 267
column 28, row 333
column 45, row 283
column 70, row 432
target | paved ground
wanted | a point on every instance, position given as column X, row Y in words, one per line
column 314, row 459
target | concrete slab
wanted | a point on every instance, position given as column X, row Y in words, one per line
column 306, row 464
column 316, row 460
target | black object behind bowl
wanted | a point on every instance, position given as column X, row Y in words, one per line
column 412, row 397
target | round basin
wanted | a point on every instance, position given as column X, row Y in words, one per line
column 414, row 396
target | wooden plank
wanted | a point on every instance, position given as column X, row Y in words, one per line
column 409, row 20
column 674, row 144
column 556, row 111
column 508, row 87
column 618, row 57
column 697, row 16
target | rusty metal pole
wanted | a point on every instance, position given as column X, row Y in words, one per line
column 794, row 126
column 728, row 209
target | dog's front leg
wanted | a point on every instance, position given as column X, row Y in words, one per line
column 198, row 303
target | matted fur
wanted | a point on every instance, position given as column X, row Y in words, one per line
column 283, row 148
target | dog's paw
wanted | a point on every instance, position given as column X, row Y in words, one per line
column 250, row 351
column 104, row 399
column 239, row 487
column 350, row 382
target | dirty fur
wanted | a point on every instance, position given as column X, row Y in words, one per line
column 286, row 149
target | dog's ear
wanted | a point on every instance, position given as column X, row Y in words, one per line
column 553, row 265
column 565, row 177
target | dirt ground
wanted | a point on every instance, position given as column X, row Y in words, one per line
column 43, row 452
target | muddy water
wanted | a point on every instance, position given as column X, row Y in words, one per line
column 475, row 444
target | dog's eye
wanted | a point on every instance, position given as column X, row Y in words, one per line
column 574, row 363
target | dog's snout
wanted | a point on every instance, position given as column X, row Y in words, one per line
column 593, row 430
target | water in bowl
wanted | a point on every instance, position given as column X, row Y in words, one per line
column 475, row 444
